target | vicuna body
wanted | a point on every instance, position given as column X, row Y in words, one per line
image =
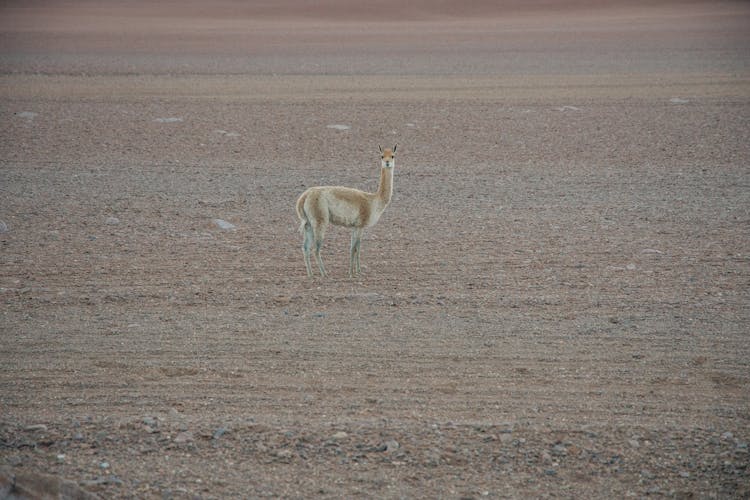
column 320, row 206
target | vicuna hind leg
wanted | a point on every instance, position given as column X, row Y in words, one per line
column 319, row 233
column 307, row 246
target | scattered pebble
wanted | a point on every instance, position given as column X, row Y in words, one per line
column 559, row 450
column 171, row 119
column 678, row 100
column 102, row 480
column 391, row 446
column 184, row 437
column 36, row 427
column 29, row 115
column 568, row 108
column 227, row 133
column 104, row 465
column 226, row 226
column 340, row 435
column 219, row 432
column 112, row 221
column 339, row 127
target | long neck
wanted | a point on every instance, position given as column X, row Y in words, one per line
column 385, row 186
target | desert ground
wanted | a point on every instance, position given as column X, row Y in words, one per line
column 556, row 303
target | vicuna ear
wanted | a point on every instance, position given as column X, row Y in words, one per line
column 380, row 148
column 394, row 148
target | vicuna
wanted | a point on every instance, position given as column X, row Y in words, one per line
column 320, row 206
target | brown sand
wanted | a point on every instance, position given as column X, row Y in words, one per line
column 554, row 304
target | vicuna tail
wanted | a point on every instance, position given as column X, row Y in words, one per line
column 301, row 213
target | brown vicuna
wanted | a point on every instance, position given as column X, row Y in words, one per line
column 342, row 206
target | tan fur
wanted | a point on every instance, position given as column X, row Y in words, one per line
column 320, row 206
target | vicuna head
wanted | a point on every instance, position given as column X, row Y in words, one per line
column 387, row 157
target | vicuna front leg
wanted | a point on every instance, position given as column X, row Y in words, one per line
column 356, row 243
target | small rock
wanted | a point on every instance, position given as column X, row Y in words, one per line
column 226, row 226
column 29, row 115
column 174, row 414
column 36, row 428
column 171, row 119
column 339, row 127
column 219, row 432
column 340, row 435
column 506, row 438
column 634, row 443
column 684, row 474
column 60, row 457
column 112, row 221
column 102, row 480
column 678, row 100
column 3, row 227
column 550, row 472
column 630, row 267
column 559, row 450
column 391, row 446
column 727, row 435
column 284, row 454
column 104, row 465
column 183, row 437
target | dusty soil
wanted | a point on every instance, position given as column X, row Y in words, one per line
column 556, row 303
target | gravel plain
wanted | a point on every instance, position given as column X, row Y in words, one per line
column 555, row 304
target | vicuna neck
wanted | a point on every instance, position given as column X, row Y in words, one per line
column 385, row 186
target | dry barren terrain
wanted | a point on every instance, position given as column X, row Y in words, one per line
column 555, row 304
